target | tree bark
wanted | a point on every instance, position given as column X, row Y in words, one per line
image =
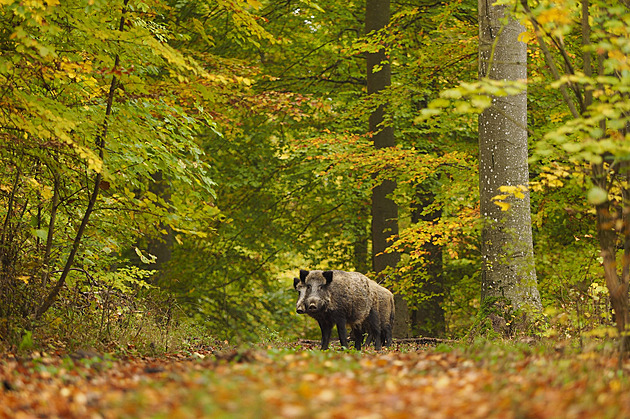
column 508, row 270
column 384, row 209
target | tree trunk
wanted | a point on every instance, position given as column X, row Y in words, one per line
column 384, row 209
column 508, row 271
column 617, row 284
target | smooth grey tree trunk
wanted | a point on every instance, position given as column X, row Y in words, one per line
column 384, row 209
column 508, row 259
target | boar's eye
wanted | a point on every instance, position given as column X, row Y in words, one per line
column 308, row 286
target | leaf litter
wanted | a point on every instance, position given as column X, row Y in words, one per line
column 305, row 383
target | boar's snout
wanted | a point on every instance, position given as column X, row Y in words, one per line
column 300, row 310
column 314, row 306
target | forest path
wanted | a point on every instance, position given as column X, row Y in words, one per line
column 494, row 382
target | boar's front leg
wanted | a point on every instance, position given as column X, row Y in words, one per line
column 326, row 328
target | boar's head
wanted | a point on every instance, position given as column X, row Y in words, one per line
column 314, row 294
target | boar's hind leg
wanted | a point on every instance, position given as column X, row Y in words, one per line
column 387, row 339
column 326, row 328
column 374, row 328
column 369, row 339
column 343, row 333
column 357, row 334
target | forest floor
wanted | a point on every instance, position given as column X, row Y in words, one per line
column 298, row 381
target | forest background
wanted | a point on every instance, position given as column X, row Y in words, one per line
column 167, row 170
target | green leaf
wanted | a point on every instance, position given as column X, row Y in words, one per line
column 481, row 101
column 439, row 103
column 572, row 147
column 145, row 259
column 597, row 196
column 41, row 233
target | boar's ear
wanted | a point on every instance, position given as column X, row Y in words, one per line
column 328, row 275
column 296, row 281
column 303, row 275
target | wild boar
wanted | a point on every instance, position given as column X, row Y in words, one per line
column 336, row 298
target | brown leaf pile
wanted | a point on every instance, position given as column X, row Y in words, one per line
column 303, row 384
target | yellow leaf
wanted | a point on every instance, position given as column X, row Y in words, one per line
column 557, row 16
column 615, row 385
column 24, row 278
column 507, row 188
column 255, row 4
column 525, row 37
column 503, row 205
column 47, row 192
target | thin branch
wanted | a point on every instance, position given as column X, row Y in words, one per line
column 90, row 278
column 550, row 61
column 301, row 59
column 51, row 226
column 357, row 81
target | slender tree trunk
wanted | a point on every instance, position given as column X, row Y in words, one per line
column 100, row 145
column 508, row 271
column 618, row 285
column 623, row 282
column 384, row 209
